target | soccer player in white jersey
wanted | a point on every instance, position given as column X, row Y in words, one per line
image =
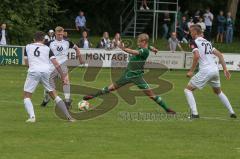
column 39, row 58
column 60, row 48
column 204, row 54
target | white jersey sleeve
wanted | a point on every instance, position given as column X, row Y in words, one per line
column 205, row 49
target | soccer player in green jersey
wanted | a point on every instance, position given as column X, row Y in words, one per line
column 134, row 73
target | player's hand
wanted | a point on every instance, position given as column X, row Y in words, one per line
column 155, row 50
column 227, row 74
column 189, row 74
column 65, row 80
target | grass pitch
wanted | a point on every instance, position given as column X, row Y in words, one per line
column 109, row 136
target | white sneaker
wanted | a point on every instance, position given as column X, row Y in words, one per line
column 147, row 8
column 141, row 8
column 31, row 120
column 71, row 120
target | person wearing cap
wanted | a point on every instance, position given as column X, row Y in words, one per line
column 50, row 36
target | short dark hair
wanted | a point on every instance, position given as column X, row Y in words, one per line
column 39, row 36
column 197, row 28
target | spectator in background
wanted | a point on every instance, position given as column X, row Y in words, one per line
column 202, row 24
column 185, row 29
column 144, row 5
column 179, row 16
column 221, row 21
column 50, row 36
column 105, row 41
column 4, row 39
column 196, row 16
column 117, row 41
column 229, row 28
column 166, row 24
column 190, row 23
column 80, row 22
column 208, row 19
column 174, row 42
column 84, row 41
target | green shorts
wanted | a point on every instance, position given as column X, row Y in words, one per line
column 137, row 80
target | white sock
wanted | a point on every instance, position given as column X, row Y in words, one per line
column 226, row 102
column 191, row 101
column 29, row 107
column 66, row 90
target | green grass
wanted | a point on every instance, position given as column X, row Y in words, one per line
column 107, row 136
column 162, row 44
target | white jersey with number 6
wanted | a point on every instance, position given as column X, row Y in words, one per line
column 39, row 56
column 205, row 49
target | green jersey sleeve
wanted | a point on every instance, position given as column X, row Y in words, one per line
column 144, row 52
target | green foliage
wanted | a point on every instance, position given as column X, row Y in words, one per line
column 25, row 17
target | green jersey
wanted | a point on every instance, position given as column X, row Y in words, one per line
column 136, row 63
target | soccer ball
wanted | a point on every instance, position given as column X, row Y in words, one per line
column 83, row 105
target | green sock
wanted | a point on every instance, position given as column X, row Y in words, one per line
column 105, row 90
column 160, row 102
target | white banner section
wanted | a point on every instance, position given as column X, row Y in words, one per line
column 232, row 61
column 118, row 58
column 99, row 58
column 169, row 59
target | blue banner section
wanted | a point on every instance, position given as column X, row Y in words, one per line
column 11, row 55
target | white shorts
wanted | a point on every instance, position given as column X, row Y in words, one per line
column 55, row 74
column 33, row 78
column 202, row 78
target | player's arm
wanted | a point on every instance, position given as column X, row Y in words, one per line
column 222, row 62
column 194, row 64
column 153, row 49
column 58, row 67
column 130, row 51
column 25, row 57
column 78, row 54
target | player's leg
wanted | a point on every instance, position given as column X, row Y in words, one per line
column 103, row 91
column 197, row 81
column 30, row 85
column 61, row 105
column 29, row 107
column 188, row 91
column 119, row 83
column 45, row 80
column 46, row 97
column 158, row 100
column 67, row 95
column 216, row 86
column 143, row 85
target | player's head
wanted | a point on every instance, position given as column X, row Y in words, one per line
column 39, row 37
column 143, row 40
column 59, row 32
column 196, row 31
column 208, row 9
